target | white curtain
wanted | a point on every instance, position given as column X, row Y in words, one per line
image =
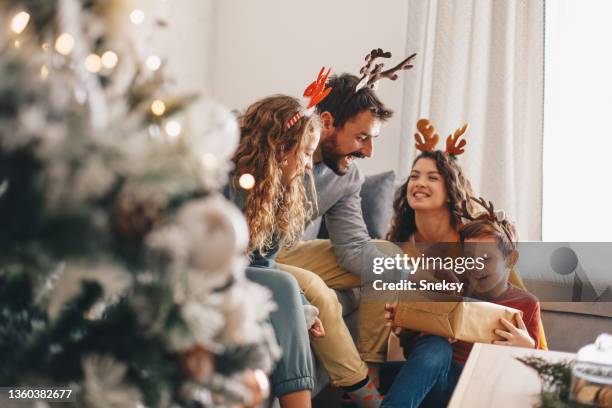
column 481, row 61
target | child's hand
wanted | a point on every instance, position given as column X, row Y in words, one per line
column 389, row 317
column 516, row 336
column 317, row 330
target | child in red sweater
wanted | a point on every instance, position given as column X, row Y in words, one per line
column 491, row 236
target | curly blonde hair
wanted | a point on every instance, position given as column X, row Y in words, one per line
column 274, row 212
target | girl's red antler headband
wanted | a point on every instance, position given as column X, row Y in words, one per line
column 427, row 140
column 316, row 92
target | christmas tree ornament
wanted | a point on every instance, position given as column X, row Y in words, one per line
column 198, row 363
column 220, row 133
column 213, row 232
column 137, row 212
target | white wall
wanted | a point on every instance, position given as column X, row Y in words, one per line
column 185, row 45
column 265, row 47
column 238, row 51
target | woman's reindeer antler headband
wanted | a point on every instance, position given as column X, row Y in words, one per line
column 316, row 92
column 371, row 76
column 428, row 139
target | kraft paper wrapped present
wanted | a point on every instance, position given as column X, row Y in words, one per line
column 456, row 317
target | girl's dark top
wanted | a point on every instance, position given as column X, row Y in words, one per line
column 258, row 260
column 237, row 196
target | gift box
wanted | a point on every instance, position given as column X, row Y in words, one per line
column 460, row 318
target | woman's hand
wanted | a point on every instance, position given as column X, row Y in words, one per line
column 516, row 336
column 317, row 330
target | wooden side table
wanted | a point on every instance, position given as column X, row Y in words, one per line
column 492, row 377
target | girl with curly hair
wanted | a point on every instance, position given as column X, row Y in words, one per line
column 277, row 206
column 276, row 157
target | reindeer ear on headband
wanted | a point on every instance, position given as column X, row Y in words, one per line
column 315, row 92
column 427, row 139
column 371, row 76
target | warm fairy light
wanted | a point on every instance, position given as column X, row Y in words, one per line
column 93, row 63
column 64, row 44
column 19, row 22
column 158, row 107
column 44, row 72
column 109, row 59
column 137, row 16
column 153, row 62
column 17, row 43
column 246, row 181
column 173, row 129
column 45, row 46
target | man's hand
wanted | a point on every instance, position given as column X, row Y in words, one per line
column 516, row 336
column 317, row 330
column 389, row 317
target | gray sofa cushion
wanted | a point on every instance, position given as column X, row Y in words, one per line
column 377, row 203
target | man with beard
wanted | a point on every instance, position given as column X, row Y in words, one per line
column 352, row 119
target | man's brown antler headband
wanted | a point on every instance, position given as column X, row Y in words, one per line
column 371, row 76
column 428, row 139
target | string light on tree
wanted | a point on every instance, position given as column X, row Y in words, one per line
column 109, row 59
column 93, row 63
column 173, row 129
column 64, row 44
column 45, row 46
column 137, row 16
column 158, row 107
column 246, row 181
column 20, row 22
column 153, row 62
column 44, row 72
column 17, row 43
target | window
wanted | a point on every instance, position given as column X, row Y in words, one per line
column 577, row 184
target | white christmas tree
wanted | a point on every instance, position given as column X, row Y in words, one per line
column 121, row 269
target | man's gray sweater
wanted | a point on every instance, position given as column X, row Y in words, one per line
column 339, row 202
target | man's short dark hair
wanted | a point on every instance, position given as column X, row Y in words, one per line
column 344, row 103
